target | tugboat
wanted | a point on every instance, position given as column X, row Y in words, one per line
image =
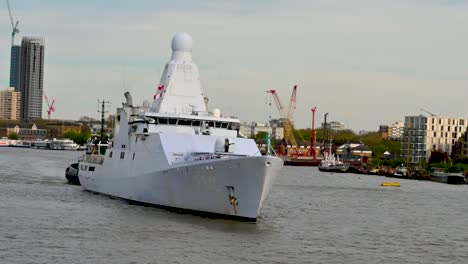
column 333, row 164
column 175, row 153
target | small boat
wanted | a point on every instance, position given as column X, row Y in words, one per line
column 400, row 172
column 40, row 144
column 439, row 175
column 21, row 144
column 4, row 142
column 63, row 144
column 301, row 161
column 390, row 184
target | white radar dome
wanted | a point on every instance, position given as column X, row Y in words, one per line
column 182, row 42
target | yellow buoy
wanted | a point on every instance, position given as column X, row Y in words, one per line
column 392, row 184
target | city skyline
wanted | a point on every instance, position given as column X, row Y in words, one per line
column 365, row 63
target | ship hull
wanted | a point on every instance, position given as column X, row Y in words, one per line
column 233, row 187
column 447, row 178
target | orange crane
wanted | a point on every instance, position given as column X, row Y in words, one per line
column 285, row 116
column 50, row 106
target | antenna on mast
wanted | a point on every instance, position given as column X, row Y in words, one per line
column 102, row 104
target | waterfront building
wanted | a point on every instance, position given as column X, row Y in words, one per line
column 275, row 127
column 396, row 130
column 57, row 128
column 425, row 134
column 393, row 131
column 95, row 128
column 28, row 134
column 413, row 147
column 443, row 132
column 383, row 131
column 31, row 78
column 334, row 126
column 10, row 104
column 461, row 146
column 464, row 144
column 354, row 151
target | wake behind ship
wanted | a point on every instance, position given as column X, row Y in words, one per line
column 174, row 153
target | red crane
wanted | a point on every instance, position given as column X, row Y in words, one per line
column 312, row 134
column 50, row 106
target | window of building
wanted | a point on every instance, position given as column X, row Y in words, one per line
column 110, row 154
column 122, row 155
column 441, row 128
column 91, row 168
column 448, row 128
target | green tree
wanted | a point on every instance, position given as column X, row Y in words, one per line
column 13, row 136
column 78, row 138
column 260, row 135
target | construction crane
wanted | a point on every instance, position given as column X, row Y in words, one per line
column 50, row 106
column 14, row 24
column 292, row 104
column 292, row 109
column 288, row 126
column 424, row 110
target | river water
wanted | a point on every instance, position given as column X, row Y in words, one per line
column 309, row 217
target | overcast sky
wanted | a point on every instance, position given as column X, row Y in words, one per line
column 365, row 62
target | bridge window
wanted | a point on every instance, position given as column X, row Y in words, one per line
column 184, row 122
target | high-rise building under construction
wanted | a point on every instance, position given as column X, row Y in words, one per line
column 15, row 65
